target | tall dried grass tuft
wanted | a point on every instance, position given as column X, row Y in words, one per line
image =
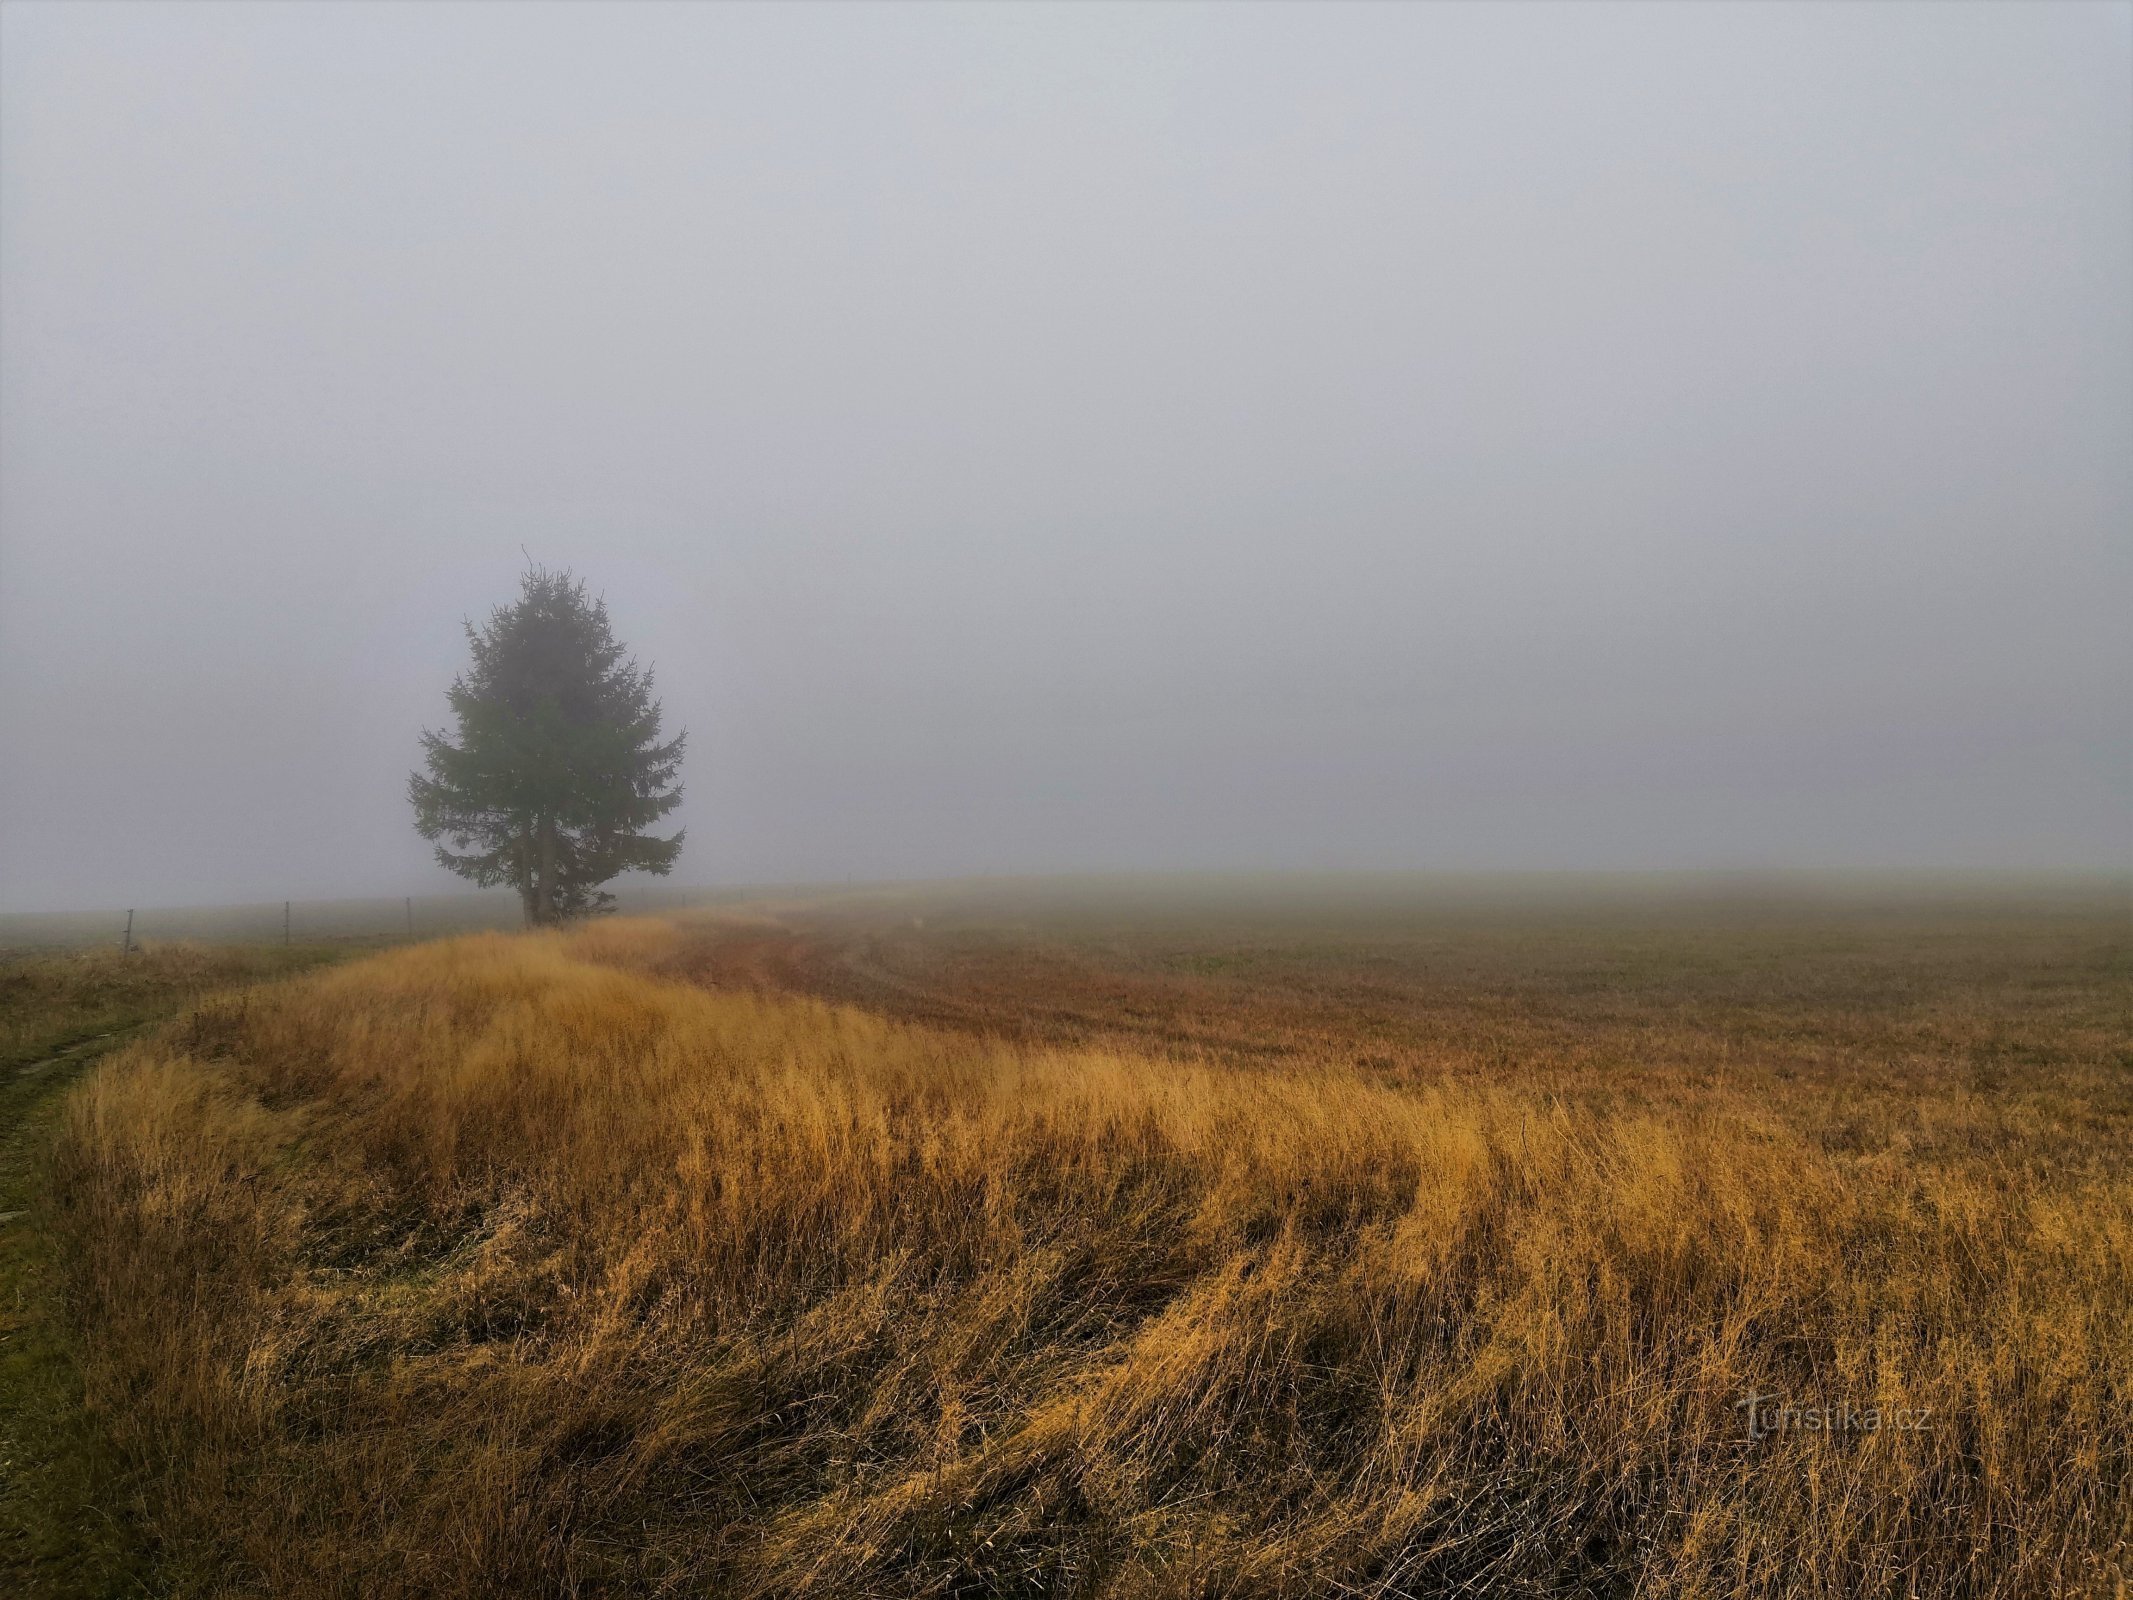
column 506, row 1266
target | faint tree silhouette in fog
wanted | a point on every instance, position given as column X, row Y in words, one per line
column 558, row 769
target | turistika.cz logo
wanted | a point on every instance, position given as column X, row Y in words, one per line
column 1770, row 1413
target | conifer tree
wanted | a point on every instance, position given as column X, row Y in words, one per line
column 558, row 769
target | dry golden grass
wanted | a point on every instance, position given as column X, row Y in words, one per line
column 49, row 1001
column 516, row 1266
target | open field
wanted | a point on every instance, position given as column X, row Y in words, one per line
column 1043, row 1242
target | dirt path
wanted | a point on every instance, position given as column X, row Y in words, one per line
column 66, row 1523
column 63, row 1532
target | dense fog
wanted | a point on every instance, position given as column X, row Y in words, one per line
column 1050, row 439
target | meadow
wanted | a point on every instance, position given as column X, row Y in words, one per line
column 1114, row 1241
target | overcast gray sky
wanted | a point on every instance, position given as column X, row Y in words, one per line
column 1102, row 437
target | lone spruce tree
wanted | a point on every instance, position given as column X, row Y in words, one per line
column 558, row 769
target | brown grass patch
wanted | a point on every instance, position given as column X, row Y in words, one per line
column 510, row 1266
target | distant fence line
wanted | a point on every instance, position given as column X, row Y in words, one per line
column 294, row 921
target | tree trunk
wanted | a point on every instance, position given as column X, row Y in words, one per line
column 547, row 908
column 523, row 879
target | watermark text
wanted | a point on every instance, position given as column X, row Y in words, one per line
column 1769, row 1414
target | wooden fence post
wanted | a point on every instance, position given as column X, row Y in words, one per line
column 126, row 948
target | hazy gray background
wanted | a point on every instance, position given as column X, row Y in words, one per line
column 1034, row 439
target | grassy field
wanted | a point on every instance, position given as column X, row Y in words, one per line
column 66, row 1497
column 1050, row 1242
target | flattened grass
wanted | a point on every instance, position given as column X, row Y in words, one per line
column 510, row 1266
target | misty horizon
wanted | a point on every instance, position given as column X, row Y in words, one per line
column 1077, row 440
